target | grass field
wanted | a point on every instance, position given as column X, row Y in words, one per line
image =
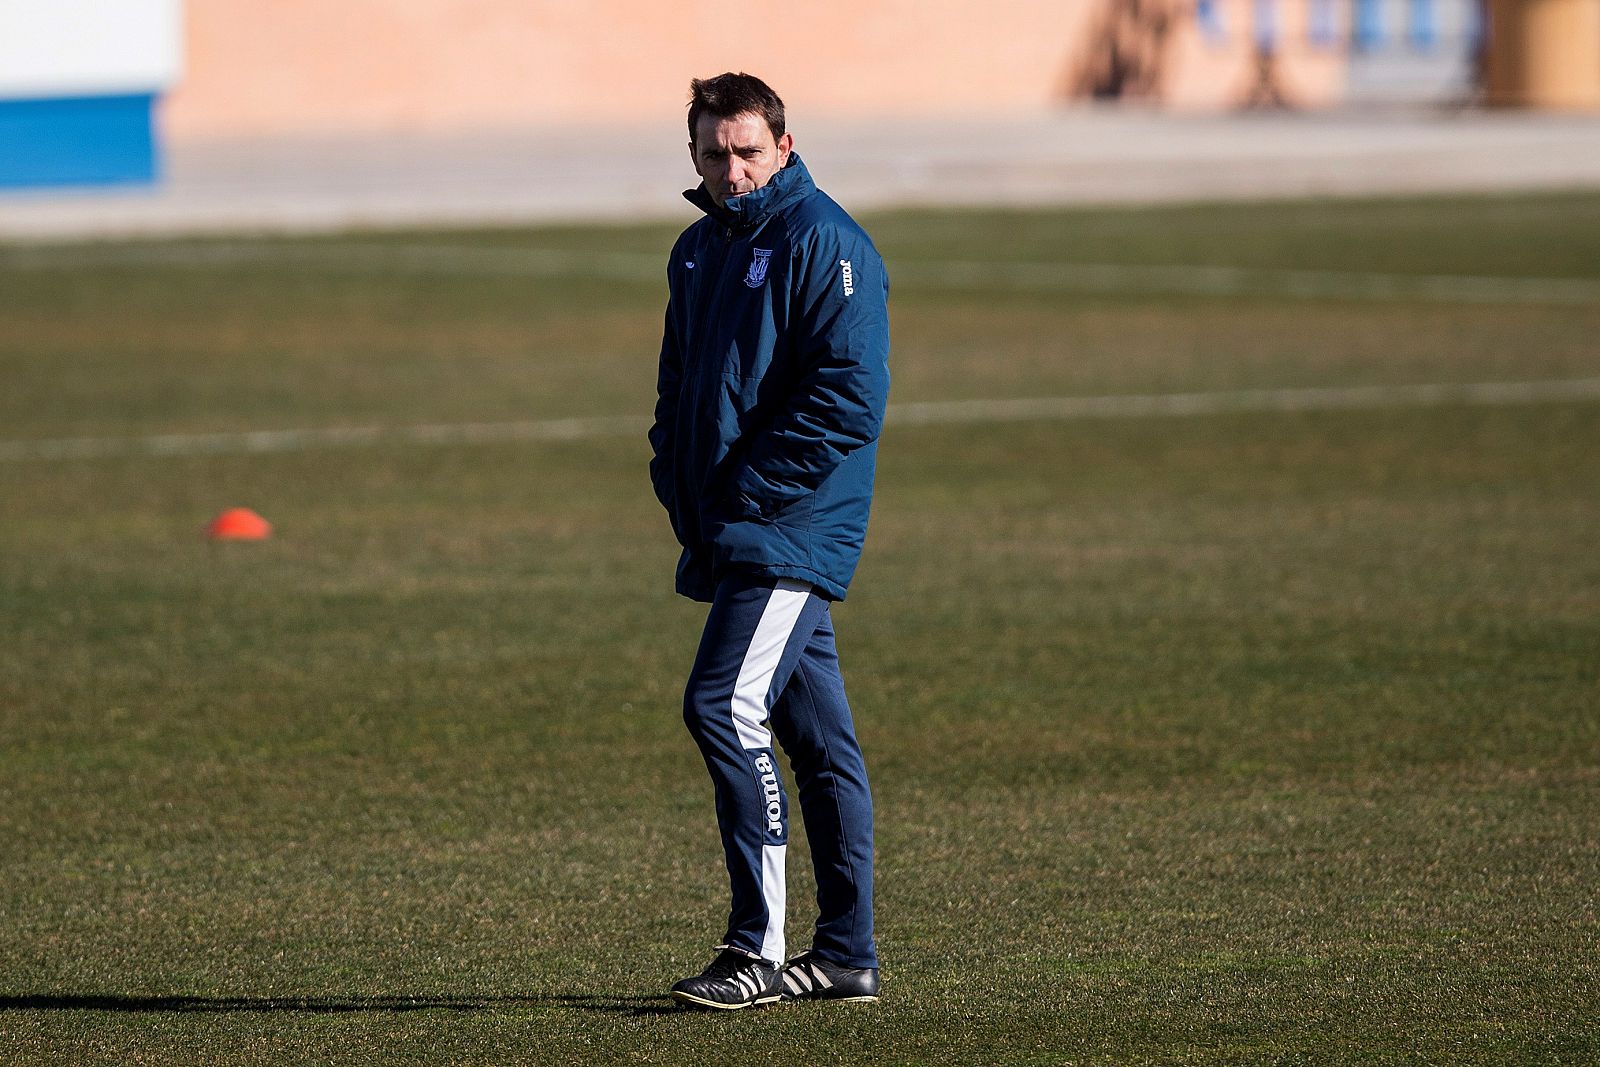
column 1260, row 737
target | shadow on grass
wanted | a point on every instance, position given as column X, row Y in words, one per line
column 625, row 1005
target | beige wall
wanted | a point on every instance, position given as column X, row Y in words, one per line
column 431, row 65
column 387, row 66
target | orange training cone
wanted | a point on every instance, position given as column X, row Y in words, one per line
column 239, row 524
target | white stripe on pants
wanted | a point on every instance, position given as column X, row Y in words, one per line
column 750, row 711
column 761, row 662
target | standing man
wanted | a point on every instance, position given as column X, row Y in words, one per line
column 774, row 374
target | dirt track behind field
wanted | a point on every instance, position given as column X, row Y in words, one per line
column 1068, row 157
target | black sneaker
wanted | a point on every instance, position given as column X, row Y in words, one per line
column 807, row 977
column 733, row 980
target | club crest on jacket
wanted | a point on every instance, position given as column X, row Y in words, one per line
column 758, row 268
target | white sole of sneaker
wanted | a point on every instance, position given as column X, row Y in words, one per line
column 830, row 1000
column 694, row 1001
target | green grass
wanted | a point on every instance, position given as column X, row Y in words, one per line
column 1239, row 739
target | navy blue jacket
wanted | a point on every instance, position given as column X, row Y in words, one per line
column 774, row 375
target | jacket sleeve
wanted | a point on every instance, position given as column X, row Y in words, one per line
column 663, row 433
column 837, row 404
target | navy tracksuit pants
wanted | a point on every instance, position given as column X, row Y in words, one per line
column 767, row 666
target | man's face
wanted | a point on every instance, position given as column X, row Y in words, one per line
column 737, row 155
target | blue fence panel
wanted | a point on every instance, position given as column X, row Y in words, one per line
column 1368, row 32
column 93, row 140
column 1421, row 26
column 1322, row 23
column 1266, row 25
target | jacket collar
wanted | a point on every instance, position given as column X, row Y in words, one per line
column 791, row 184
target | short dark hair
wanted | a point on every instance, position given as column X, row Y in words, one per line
column 731, row 94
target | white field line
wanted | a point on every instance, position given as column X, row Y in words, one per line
column 354, row 257
column 200, row 444
column 397, row 257
column 1063, row 408
column 1327, row 398
column 1248, row 281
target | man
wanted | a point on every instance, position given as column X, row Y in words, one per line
column 774, row 374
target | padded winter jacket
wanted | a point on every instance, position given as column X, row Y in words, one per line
column 773, row 379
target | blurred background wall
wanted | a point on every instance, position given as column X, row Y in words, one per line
column 297, row 66
column 436, row 65
column 90, row 88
